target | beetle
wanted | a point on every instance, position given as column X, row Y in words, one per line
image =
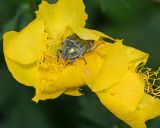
column 74, row 47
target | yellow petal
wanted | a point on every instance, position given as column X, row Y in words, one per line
column 26, row 46
column 135, row 57
column 62, row 14
column 73, row 92
column 149, row 107
column 71, row 77
column 67, row 81
column 67, row 78
column 89, row 34
column 114, row 67
column 25, row 74
column 124, row 98
column 90, row 70
column 46, row 94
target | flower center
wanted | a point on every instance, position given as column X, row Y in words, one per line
column 48, row 60
column 151, row 79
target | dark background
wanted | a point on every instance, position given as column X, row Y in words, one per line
column 135, row 21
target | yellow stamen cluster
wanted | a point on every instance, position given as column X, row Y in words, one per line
column 48, row 60
column 151, row 79
column 49, row 63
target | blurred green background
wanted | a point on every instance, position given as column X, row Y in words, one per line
column 135, row 21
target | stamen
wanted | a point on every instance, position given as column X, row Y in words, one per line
column 151, row 79
column 49, row 63
column 48, row 60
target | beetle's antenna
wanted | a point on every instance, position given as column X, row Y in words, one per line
column 93, row 48
column 98, row 45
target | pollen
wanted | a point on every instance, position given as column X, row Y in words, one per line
column 48, row 60
column 151, row 79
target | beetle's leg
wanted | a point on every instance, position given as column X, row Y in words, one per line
column 84, row 60
column 58, row 54
column 94, row 47
column 71, row 61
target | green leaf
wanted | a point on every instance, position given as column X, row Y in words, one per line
column 124, row 10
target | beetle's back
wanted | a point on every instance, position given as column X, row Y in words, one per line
column 75, row 47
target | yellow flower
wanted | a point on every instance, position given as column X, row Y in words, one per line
column 31, row 54
column 113, row 71
column 126, row 87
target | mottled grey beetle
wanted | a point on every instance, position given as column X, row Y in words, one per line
column 74, row 47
